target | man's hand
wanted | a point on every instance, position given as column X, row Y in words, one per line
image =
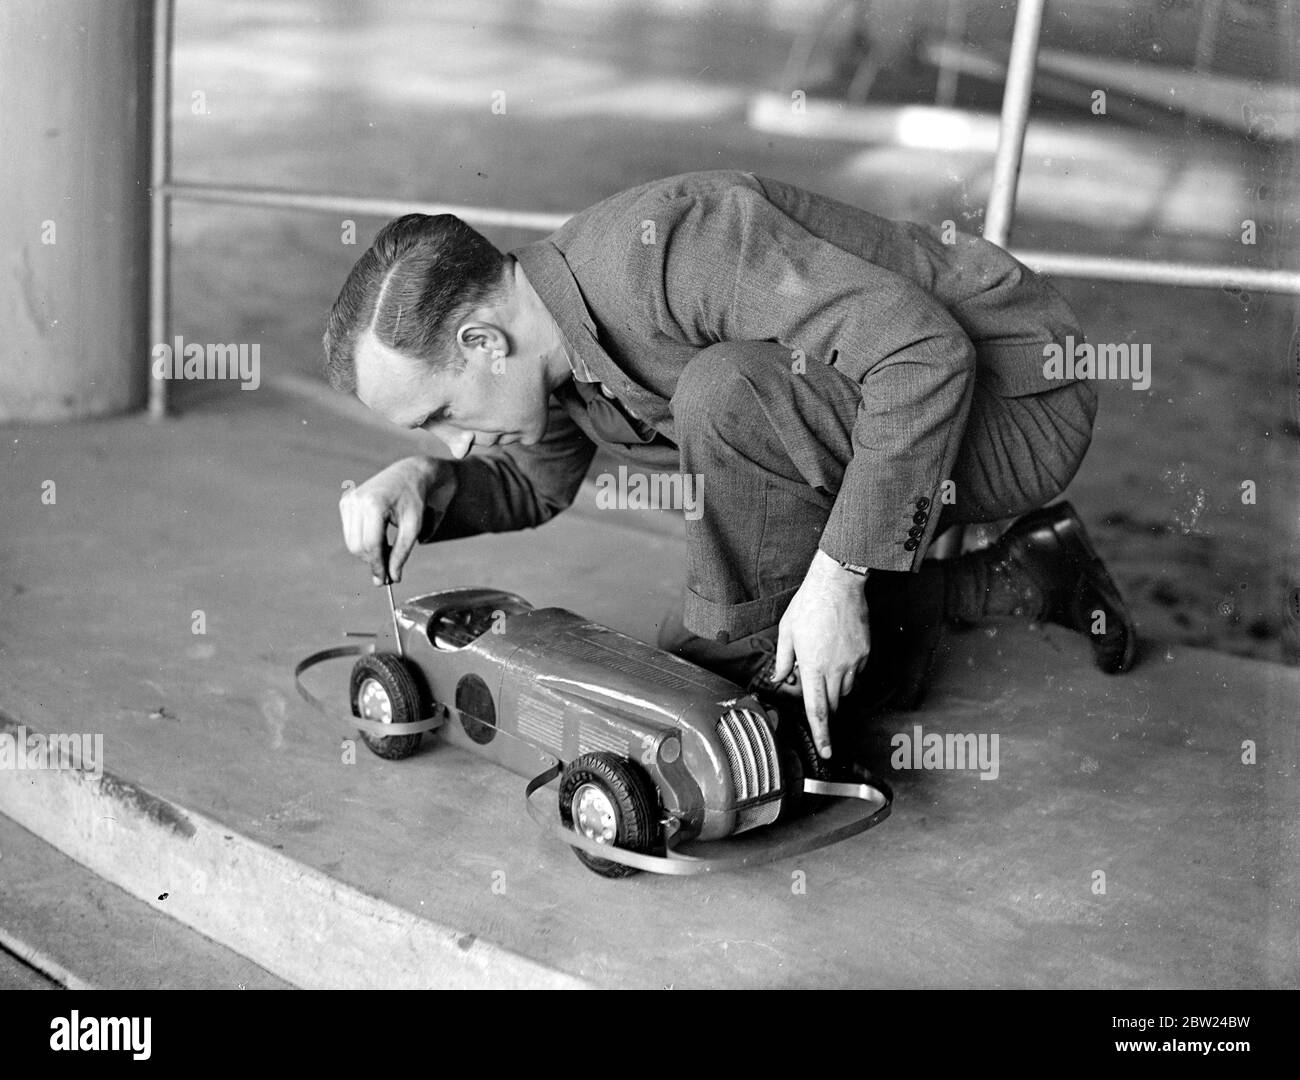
column 397, row 496
column 825, row 629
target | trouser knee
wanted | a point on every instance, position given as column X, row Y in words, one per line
column 717, row 389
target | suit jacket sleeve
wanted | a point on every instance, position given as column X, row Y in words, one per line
column 736, row 268
column 516, row 486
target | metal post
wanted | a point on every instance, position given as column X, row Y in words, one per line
column 160, row 198
column 1207, row 35
column 1015, row 114
column 1006, row 169
column 954, row 34
column 801, row 52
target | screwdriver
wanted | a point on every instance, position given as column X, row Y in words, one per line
column 388, row 584
column 392, row 609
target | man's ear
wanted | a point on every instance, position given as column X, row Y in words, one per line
column 482, row 341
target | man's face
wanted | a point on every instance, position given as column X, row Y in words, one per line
column 490, row 401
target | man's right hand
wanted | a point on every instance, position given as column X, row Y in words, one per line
column 397, row 496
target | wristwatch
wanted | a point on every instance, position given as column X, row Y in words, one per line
column 861, row 571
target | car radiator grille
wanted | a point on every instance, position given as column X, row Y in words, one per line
column 755, row 768
column 751, row 817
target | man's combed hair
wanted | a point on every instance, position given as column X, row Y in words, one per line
column 421, row 276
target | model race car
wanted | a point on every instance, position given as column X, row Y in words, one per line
column 648, row 747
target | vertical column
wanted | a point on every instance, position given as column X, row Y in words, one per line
column 160, row 208
column 74, row 207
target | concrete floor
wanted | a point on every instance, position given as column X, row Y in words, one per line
column 230, row 510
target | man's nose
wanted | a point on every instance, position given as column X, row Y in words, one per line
column 458, row 442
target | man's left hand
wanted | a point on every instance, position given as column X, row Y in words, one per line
column 825, row 630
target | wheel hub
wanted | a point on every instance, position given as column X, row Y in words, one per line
column 593, row 814
column 374, row 702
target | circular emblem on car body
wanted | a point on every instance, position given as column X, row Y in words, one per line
column 478, row 715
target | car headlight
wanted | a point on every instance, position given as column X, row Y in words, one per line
column 670, row 749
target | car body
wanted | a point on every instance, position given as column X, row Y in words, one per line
column 529, row 687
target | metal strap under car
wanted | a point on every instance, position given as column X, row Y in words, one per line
column 371, row 727
column 795, row 838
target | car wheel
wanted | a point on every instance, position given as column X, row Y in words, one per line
column 608, row 799
column 384, row 690
column 801, row 759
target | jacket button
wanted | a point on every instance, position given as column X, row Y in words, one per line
column 911, row 545
column 920, row 517
column 923, row 503
column 916, row 532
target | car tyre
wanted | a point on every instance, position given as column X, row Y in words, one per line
column 800, row 757
column 603, row 788
column 383, row 689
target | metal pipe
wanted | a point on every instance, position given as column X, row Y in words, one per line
column 160, row 198
column 1015, row 114
column 1207, row 35
column 362, row 205
column 801, row 52
column 1196, row 275
column 1001, row 207
column 954, row 35
column 1141, row 271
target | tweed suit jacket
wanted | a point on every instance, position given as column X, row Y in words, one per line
column 644, row 280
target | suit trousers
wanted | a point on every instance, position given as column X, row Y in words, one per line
column 767, row 448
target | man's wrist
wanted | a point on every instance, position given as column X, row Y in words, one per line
column 861, row 571
column 828, row 568
column 439, row 491
column 442, row 486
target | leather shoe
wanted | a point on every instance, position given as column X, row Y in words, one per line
column 1051, row 547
